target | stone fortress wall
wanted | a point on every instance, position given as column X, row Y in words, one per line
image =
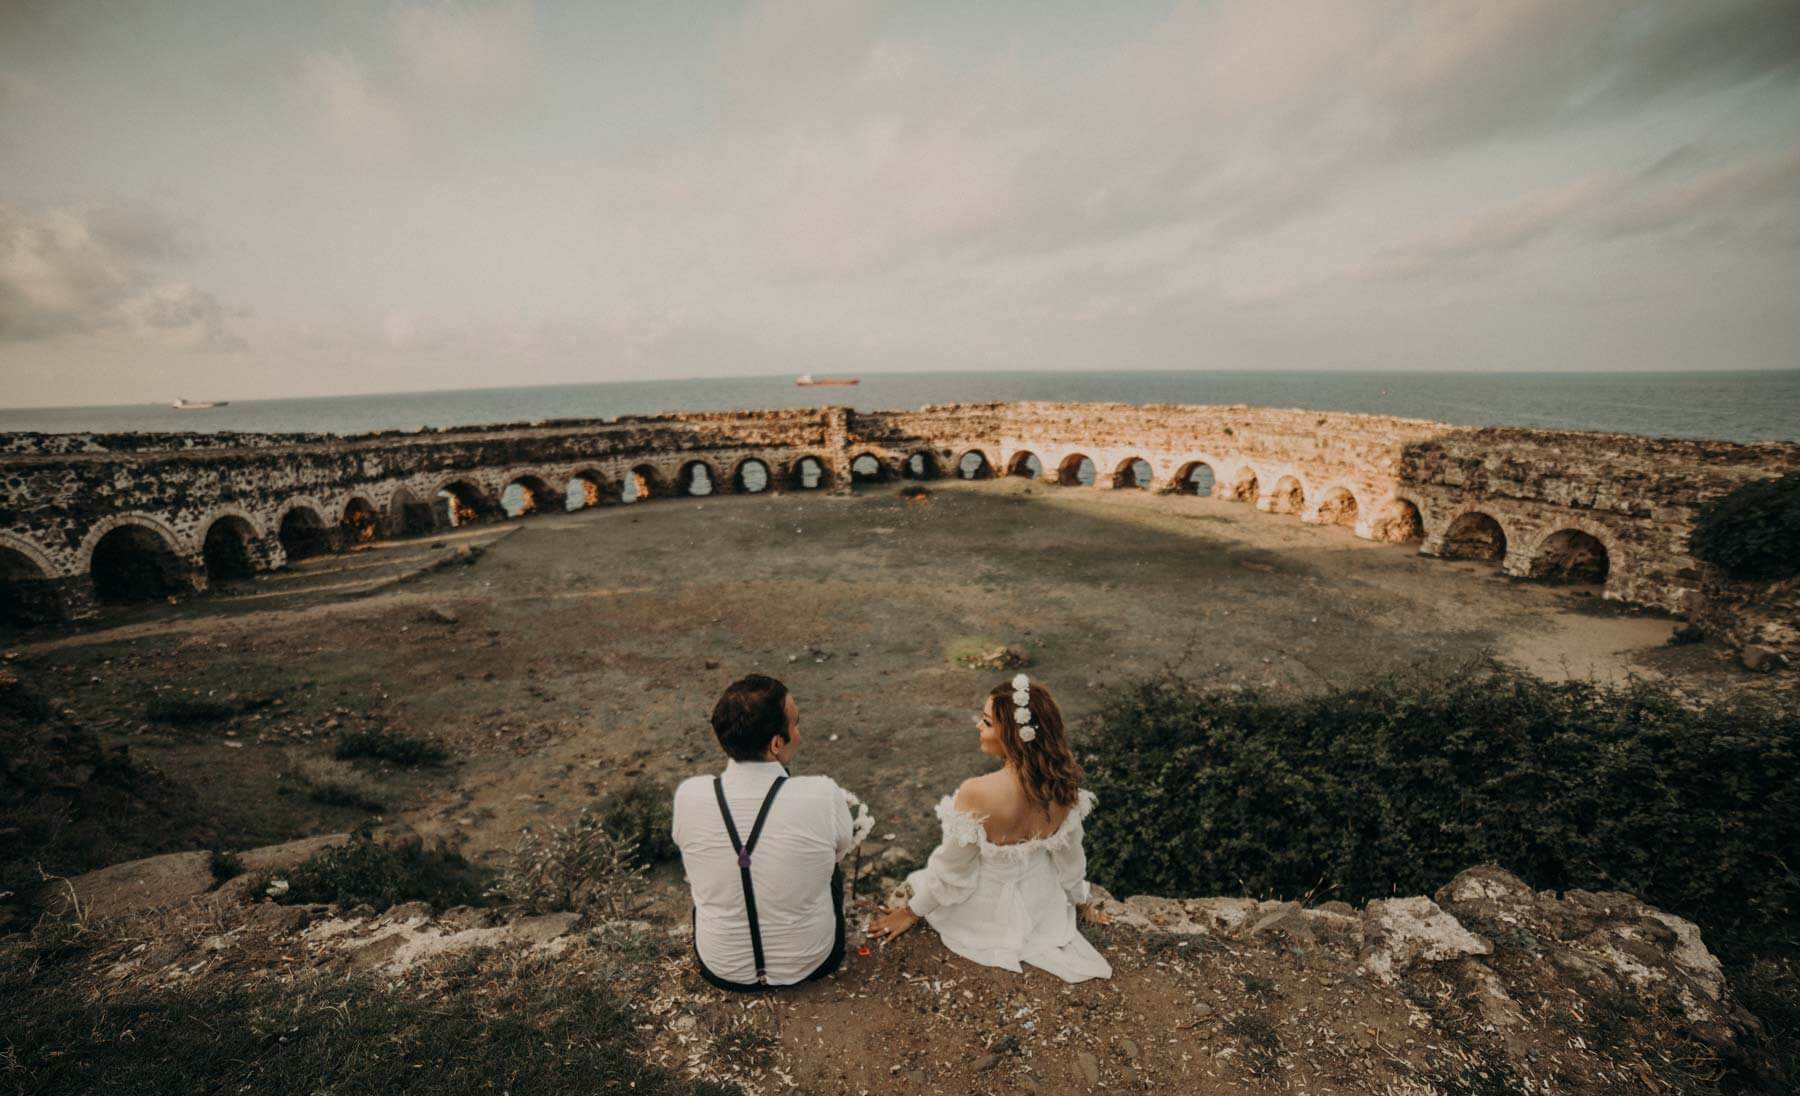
column 86, row 517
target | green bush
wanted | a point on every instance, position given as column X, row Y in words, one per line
column 389, row 746
column 363, row 870
column 1753, row 532
column 641, row 815
column 1396, row 786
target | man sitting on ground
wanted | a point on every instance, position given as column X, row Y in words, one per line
column 761, row 849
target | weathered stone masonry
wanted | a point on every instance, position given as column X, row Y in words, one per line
column 83, row 515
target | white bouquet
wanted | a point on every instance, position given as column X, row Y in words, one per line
column 861, row 820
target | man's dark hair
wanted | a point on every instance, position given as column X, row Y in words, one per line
column 752, row 712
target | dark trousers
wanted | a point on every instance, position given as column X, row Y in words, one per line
column 831, row 963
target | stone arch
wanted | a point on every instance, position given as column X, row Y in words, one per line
column 461, row 500
column 752, row 476
column 809, row 472
column 866, row 467
column 585, row 488
column 1025, row 463
column 643, row 481
column 28, row 597
column 1288, row 496
column 1574, row 550
column 1196, row 477
column 1338, row 504
column 921, row 464
column 135, row 557
column 1077, row 470
column 697, row 478
column 533, row 495
column 302, row 530
column 229, row 548
column 360, row 522
column 1399, row 520
column 974, row 464
column 1476, row 534
column 1134, row 473
column 1243, row 485
column 406, row 515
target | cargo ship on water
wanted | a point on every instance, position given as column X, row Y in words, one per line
column 198, row 405
column 807, row 380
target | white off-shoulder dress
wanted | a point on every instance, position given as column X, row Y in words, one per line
column 1002, row 905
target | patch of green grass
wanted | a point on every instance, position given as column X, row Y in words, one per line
column 176, row 709
column 389, row 746
column 326, row 1036
column 363, row 870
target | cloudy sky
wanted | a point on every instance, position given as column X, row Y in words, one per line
column 256, row 198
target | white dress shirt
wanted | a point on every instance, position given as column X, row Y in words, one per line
column 808, row 831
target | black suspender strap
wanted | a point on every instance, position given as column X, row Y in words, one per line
column 743, row 850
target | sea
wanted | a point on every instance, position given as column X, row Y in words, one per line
column 1734, row 406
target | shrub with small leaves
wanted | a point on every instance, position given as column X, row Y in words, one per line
column 641, row 816
column 364, row 870
column 1753, row 533
column 582, row 867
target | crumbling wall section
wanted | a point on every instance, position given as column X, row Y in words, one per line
column 1634, row 496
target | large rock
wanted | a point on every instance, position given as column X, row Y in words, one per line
column 154, row 883
column 1397, row 932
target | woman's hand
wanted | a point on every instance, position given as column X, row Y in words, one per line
column 1089, row 914
column 892, row 923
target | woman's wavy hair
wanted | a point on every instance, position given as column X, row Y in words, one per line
column 1046, row 766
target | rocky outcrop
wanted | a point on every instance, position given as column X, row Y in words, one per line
column 1518, row 958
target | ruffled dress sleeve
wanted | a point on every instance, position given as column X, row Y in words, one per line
column 950, row 874
column 1066, row 853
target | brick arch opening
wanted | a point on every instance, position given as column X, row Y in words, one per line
column 641, row 483
column 360, row 523
column 585, row 489
column 1572, row 556
column 460, row 503
column 27, row 594
column 526, row 495
column 1027, row 464
column 1077, row 470
column 697, row 479
column 229, row 549
column 1196, row 477
column 974, row 465
column 868, row 468
column 407, row 515
column 1287, row 496
column 1339, row 507
column 1475, row 535
column 303, row 533
column 1133, row 473
column 921, row 465
column 751, row 476
column 1243, row 487
column 809, row 473
column 134, row 562
column 1399, row 522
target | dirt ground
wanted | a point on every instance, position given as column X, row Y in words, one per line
column 570, row 653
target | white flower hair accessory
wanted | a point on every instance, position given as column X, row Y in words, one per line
column 1022, row 707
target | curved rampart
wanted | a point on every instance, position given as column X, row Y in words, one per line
column 1611, row 507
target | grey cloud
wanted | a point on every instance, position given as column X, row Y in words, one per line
column 69, row 271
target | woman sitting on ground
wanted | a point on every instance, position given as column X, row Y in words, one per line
column 1007, row 883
